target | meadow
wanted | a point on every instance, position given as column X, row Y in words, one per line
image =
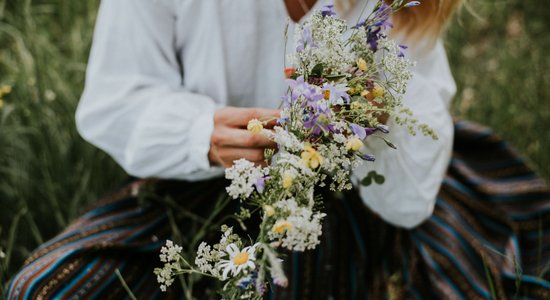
column 49, row 175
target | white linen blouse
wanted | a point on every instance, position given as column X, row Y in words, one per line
column 158, row 70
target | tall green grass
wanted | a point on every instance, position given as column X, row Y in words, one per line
column 48, row 174
column 498, row 52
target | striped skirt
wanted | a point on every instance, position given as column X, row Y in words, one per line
column 489, row 237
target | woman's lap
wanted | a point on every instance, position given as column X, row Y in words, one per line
column 490, row 204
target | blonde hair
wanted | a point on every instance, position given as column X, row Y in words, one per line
column 425, row 21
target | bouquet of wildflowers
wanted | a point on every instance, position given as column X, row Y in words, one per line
column 345, row 83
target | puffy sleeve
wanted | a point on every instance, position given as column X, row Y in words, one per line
column 414, row 172
column 134, row 105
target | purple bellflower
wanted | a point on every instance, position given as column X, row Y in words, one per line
column 402, row 49
column 299, row 87
column 260, row 183
column 382, row 15
column 360, row 131
column 327, row 10
column 381, row 18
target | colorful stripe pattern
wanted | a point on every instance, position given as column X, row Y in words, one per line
column 489, row 237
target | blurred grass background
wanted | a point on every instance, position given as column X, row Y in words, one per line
column 48, row 174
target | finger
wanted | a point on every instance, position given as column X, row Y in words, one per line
column 240, row 138
column 229, row 155
column 239, row 117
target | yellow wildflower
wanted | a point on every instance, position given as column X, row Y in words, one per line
column 354, row 144
column 288, row 178
column 269, row 210
column 362, row 64
column 378, row 91
column 281, row 226
column 311, row 158
column 365, row 93
column 255, row 126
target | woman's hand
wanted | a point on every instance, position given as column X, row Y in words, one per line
column 231, row 141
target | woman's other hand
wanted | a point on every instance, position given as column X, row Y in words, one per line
column 231, row 140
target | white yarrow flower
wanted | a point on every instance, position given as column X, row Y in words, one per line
column 301, row 229
column 287, row 140
column 243, row 175
column 170, row 252
column 170, row 256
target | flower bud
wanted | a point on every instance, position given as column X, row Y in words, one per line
column 290, row 72
column 255, row 126
column 378, row 91
column 362, row 64
column 269, row 210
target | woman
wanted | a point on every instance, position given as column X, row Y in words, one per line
column 167, row 88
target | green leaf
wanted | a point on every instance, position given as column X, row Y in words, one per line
column 334, row 77
column 317, row 70
column 366, row 181
column 379, row 179
column 390, row 144
column 373, row 176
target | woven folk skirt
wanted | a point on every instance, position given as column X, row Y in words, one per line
column 488, row 238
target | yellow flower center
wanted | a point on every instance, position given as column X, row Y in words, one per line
column 240, row 259
column 281, row 226
column 255, row 126
column 327, row 94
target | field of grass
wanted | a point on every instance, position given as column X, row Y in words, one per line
column 48, row 174
column 498, row 52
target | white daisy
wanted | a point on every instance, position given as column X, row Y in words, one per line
column 239, row 260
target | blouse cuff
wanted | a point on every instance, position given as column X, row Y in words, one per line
column 199, row 140
column 201, row 131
